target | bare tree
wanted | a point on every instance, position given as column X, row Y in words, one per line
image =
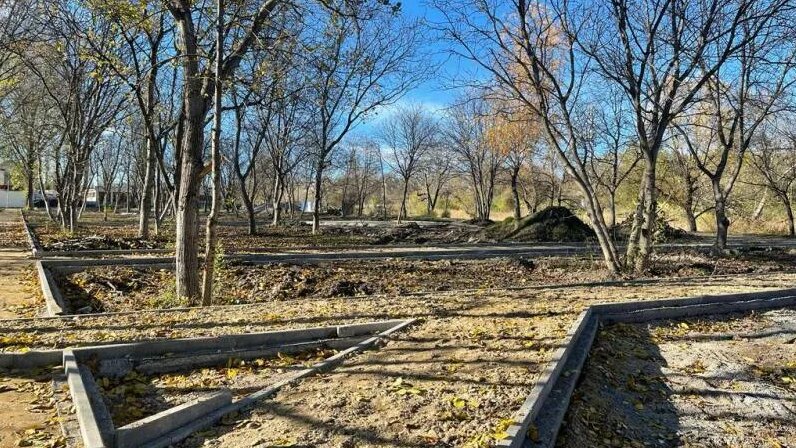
column 466, row 130
column 682, row 183
column 408, row 135
column 435, row 171
column 773, row 154
column 27, row 130
column 362, row 63
column 739, row 98
column 662, row 54
column 86, row 97
column 613, row 156
column 531, row 53
column 198, row 85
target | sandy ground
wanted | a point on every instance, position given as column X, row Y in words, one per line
column 18, row 285
column 451, row 380
column 27, row 412
column 721, row 382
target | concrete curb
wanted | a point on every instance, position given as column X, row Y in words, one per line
column 32, row 359
column 53, row 298
column 539, row 419
column 33, row 240
column 96, row 425
column 246, row 402
column 140, row 432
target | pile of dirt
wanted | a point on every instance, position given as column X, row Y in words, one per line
column 550, row 224
column 664, row 232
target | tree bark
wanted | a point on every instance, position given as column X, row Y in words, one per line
column 402, row 211
column 720, row 211
column 786, row 203
column 212, row 218
column 187, row 237
column 515, row 195
column 316, row 209
column 279, row 190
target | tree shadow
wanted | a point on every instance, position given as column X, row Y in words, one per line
column 622, row 398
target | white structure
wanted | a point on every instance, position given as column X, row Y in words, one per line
column 8, row 198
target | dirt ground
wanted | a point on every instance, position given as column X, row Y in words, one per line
column 119, row 232
column 451, row 380
column 27, row 411
column 19, row 296
column 124, row 288
column 720, row 382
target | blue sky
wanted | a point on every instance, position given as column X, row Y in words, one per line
column 436, row 93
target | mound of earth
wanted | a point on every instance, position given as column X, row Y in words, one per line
column 550, row 224
column 664, row 232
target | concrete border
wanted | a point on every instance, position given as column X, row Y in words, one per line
column 537, row 422
column 53, row 298
column 140, row 432
column 31, row 359
column 248, row 401
column 33, row 240
column 96, row 425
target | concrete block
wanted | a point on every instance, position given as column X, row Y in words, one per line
column 53, row 299
column 32, row 359
column 229, row 343
column 344, row 331
column 525, row 416
column 96, row 426
column 115, row 368
column 140, row 432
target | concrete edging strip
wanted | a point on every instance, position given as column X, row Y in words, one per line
column 545, row 408
column 53, row 298
column 96, row 426
column 31, row 359
column 140, row 432
column 544, row 385
column 237, row 406
column 35, row 247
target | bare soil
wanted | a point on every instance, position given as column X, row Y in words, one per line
column 27, row 411
column 124, row 288
column 723, row 381
column 20, row 294
column 136, row 395
column 119, row 232
column 452, row 380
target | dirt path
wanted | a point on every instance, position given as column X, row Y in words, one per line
column 17, row 298
column 27, row 413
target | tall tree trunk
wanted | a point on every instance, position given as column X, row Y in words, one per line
column 688, row 209
column 279, row 189
column 29, row 191
column 791, row 221
column 212, row 218
column 316, row 209
column 189, row 150
column 515, row 196
column 402, row 211
column 647, row 223
column 720, row 211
